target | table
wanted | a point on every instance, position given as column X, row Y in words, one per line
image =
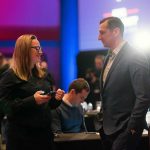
column 78, row 141
column 87, row 141
column 67, row 137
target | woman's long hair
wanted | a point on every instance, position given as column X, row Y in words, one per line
column 22, row 60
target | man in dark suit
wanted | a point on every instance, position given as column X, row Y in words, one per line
column 125, row 89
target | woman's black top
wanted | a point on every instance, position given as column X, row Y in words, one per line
column 18, row 103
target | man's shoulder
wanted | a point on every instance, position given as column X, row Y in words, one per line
column 135, row 58
column 63, row 106
column 132, row 53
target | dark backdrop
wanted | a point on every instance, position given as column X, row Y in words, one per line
column 85, row 60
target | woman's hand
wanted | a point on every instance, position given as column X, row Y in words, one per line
column 40, row 99
column 59, row 94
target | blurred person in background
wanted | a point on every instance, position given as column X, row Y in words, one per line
column 98, row 62
column 69, row 116
column 3, row 64
column 24, row 98
column 44, row 67
column 93, row 81
column 92, row 75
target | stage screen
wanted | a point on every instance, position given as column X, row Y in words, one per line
column 134, row 14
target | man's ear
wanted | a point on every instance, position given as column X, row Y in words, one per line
column 116, row 31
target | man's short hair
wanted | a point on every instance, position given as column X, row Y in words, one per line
column 114, row 22
column 78, row 85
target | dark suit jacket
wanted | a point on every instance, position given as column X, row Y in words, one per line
column 126, row 92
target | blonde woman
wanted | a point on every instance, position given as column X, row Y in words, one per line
column 23, row 101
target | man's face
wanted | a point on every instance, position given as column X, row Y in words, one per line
column 80, row 97
column 98, row 63
column 1, row 59
column 106, row 35
column 1, row 62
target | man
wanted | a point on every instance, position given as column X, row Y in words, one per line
column 3, row 64
column 124, row 89
column 98, row 61
column 3, row 119
column 93, row 81
column 68, row 117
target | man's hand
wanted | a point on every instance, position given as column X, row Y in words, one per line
column 59, row 94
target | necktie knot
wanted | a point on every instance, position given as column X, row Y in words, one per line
column 111, row 55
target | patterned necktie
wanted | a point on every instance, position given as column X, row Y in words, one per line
column 110, row 58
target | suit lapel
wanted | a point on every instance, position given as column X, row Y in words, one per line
column 101, row 77
column 117, row 59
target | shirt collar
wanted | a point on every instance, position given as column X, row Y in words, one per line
column 67, row 102
column 118, row 48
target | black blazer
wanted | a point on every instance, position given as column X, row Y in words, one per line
column 126, row 92
column 18, row 103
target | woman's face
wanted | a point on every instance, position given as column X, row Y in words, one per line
column 36, row 51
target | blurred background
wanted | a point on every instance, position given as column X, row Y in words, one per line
column 68, row 30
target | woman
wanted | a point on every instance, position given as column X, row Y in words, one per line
column 23, row 101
